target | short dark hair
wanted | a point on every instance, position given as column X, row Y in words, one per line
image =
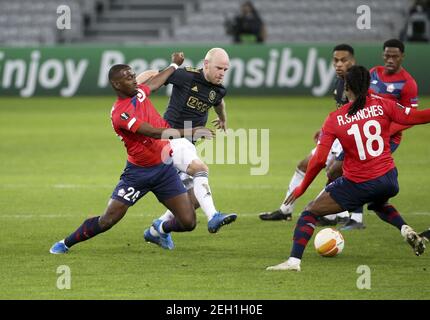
column 394, row 43
column 116, row 69
column 344, row 47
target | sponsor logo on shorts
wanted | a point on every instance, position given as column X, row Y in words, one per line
column 121, row 192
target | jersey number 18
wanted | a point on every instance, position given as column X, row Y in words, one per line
column 355, row 131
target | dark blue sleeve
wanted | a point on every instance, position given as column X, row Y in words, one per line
column 178, row 77
column 222, row 95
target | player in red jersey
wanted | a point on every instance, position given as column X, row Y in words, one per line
column 148, row 168
column 369, row 173
column 392, row 81
column 343, row 58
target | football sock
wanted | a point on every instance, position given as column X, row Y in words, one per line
column 171, row 225
column 296, row 180
column 302, row 233
column 87, row 230
column 167, row 216
column 357, row 217
column 203, row 194
column 389, row 214
column 331, row 217
column 343, row 214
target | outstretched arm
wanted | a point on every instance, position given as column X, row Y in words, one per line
column 154, row 79
column 410, row 116
column 316, row 164
column 169, row 133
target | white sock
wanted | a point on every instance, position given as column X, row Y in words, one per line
column 167, row 216
column 296, row 180
column 357, row 217
column 203, row 194
column 331, row 217
column 343, row 214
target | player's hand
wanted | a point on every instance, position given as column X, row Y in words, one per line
column 178, row 58
column 202, row 132
column 317, row 135
column 219, row 124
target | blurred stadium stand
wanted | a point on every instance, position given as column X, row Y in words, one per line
column 33, row 22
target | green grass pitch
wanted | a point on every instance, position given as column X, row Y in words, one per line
column 60, row 161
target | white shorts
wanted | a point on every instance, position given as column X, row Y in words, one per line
column 336, row 149
column 183, row 153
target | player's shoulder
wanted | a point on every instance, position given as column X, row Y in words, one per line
column 192, row 70
column 376, row 69
column 341, row 110
column 407, row 76
column 186, row 73
column 381, row 101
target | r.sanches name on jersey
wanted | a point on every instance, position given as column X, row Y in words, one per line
column 365, row 113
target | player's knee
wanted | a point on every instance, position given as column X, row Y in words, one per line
column 197, row 166
column 188, row 223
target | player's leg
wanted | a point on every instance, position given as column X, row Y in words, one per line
column 183, row 220
column 388, row 213
column 332, row 219
column 172, row 193
column 184, row 214
column 285, row 212
column 92, row 226
column 186, row 160
column 334, row 171
column 323, row 205
column 355, row 222
column 130, row 188
column 342, row 194
column 188, row 184
column 388, row 188
column 202, row 191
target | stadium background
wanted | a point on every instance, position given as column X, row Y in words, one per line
column 60, row 159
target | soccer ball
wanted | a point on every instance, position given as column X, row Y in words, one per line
column 329, row 242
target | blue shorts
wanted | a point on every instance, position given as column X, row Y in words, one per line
column 351, row 195
column 136, row 181
column 393, row 148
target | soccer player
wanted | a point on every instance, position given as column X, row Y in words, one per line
column 194, row 92
column 393, row 82
column 369, row 173
column 141, row 128
column 343, row 58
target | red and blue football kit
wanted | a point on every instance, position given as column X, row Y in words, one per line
column 400, row 87
column 127, row 115
column 364, row 137
column 149, row 166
